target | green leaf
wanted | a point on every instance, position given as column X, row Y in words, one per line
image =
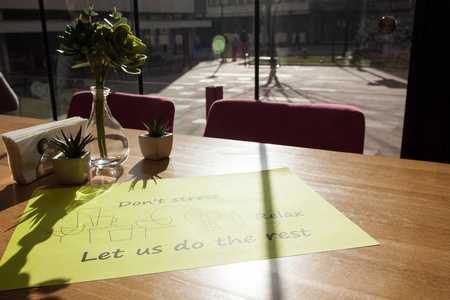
column 116, row 15
column 85, row 49
column 80, row 65
column 65, row 42
column 65, row 52
column 108, row 22
column 90, row 12
column 131, row 71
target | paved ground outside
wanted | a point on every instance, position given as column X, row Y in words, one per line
column 381, row 96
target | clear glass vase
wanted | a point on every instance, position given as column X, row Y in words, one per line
column 110, row 147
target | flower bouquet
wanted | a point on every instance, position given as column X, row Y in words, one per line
column 101, row 47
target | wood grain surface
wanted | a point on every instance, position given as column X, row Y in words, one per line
column 403, row 204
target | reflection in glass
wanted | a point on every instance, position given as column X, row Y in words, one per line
column 387, row 25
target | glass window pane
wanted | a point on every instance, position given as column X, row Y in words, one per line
column 69, row 80
column 23, row 62
column 332, row 51
column 321, row 51
column 182, row 63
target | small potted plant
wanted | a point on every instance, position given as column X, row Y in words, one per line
column 156, row 144
column 71, row 165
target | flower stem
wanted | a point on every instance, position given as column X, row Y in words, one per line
column 99, row 70
column 99, row 106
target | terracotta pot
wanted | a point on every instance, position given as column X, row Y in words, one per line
column 71, row 170
column 156, row 148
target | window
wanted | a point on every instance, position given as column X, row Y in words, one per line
column 304, row 45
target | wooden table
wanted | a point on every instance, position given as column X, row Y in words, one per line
column 403, row 204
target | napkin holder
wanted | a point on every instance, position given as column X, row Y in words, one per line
column 29, row 150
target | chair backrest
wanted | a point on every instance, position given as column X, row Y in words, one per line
column 321, row 126
column 128, row 109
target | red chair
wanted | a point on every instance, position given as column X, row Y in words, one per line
column 128, row 109
column 320, row 126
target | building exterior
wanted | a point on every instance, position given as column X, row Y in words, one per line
column 309, row 22
column 161, row 22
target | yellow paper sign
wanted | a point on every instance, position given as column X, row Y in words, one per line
column 97, row 232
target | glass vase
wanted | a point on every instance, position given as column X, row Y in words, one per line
column 110, row 147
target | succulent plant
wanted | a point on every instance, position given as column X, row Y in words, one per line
column 80, row 39
column 73, row 147
column 156, row 128
column 103, row 46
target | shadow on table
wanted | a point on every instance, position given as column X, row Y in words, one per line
column 37, row 226
column 16, row 193
column 272, row 247
column 147, row 170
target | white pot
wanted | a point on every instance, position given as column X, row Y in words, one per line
column 156, row 148
column 71, row 170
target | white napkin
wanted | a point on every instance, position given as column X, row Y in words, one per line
column 25, row 147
